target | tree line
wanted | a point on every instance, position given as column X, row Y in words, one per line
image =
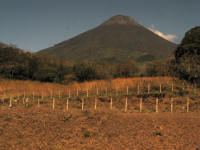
column 18, row 64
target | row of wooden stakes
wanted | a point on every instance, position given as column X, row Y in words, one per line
column 26, row 103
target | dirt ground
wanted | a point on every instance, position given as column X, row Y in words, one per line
column 46, row 129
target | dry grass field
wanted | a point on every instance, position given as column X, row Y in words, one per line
column 135, row 113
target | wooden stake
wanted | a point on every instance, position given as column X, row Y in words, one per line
column 188, row 104
column 126, row 105
column 42, row 95
column 59, row 95
column 183, row 86
column 77, row 92
column 111, row 103
column 97, row 91
column 172, row 87
column 157, row 105
column 127, row 90
column 148, row 88
column 140, row 104
column 172, row 101
column 106, row 91
column 53, row 106
column 67, row 106
column 95, row 104
column 82, row 103
column 24, row 97
column 160, row 88
column 24, row 100
column 10, row 102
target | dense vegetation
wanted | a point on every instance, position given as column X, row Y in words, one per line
column 17, row 64
column 187, row 57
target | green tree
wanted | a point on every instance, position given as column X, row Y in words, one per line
column 187, row 56
column 127, row 69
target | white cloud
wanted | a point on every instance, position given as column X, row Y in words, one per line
column 169, row 37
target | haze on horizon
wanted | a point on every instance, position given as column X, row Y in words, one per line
column 35, row 25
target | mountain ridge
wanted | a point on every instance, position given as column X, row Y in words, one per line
column 118, row 39
column 120, row 19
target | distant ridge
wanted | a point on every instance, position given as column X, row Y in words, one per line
column 3, row 45
column 118, row 39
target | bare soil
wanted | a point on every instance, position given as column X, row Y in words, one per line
column 46, row 129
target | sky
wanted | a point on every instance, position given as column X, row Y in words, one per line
column 37, row 24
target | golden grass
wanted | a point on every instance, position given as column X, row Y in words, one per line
column 11, row 88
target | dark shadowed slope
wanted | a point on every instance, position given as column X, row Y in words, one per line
column 118, row 39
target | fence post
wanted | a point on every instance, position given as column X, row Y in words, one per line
column 27, row 102
column 126, row 105
column 24, row 97
column 97, row 91
column 67, row 106
column 10, row 102
column 140, row 104
column 111, row 103
column 53, row 103
column 87, row 93
column 172, row 101
column 82, row 103
column 95, row 105
column 188, row 104
column 172, row 87
column 148, row 88
column 127, row 90
column 160, row 88
column 157, row 105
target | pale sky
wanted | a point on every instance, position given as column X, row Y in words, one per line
column 38, row 24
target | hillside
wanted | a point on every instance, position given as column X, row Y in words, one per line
column 117, row 39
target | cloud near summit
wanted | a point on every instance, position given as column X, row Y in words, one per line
column 169, row 37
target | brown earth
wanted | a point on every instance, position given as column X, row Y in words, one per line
column 46, row 129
